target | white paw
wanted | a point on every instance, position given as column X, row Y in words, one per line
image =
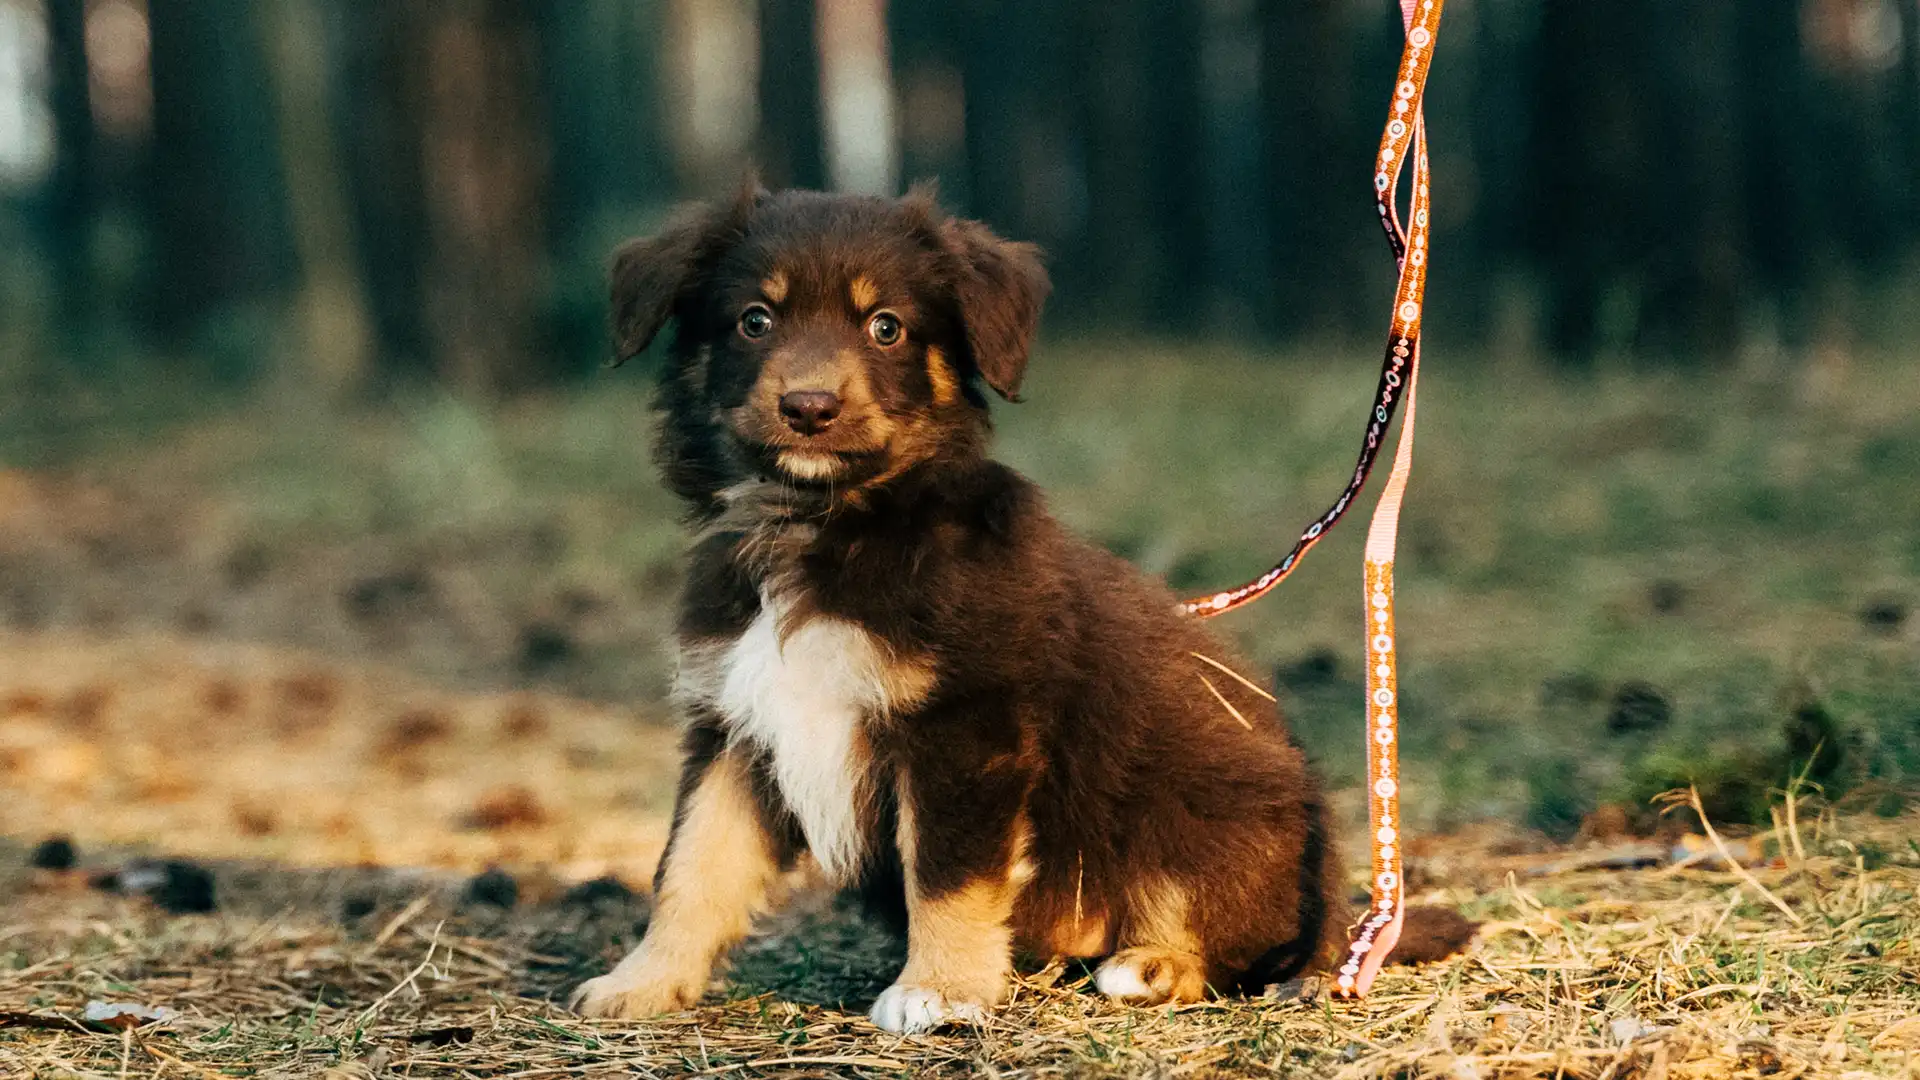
column 1149, row 976
column 615, row 997
column 1120, row 979
column 910, row 1010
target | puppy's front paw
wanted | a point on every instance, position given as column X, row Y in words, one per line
column 618, row 997
column 909, row 1010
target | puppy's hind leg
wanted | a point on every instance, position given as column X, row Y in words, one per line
column 1161, row 961
column 1152, row 974
column 720, row 866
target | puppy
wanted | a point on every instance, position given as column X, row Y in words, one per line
column 894, row 662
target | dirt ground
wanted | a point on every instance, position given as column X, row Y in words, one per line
column 344, row 811
column 240, row 751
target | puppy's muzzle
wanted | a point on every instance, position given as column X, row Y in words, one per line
column 809, row 412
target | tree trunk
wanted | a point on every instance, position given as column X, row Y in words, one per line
column 1772, row 171
column 1590, row 183
column 603, row 71
column 929, row 85
column 379, row 100
column 331, row 317
column 1311, row 162
column 221, row 230
column 1175, row 110
column 1460, row 302
column 1690, row 290
column 789, row 145
column 1233, row 217
column 484, row 167
column 1145, row 153
column 71, row 202
column 1907, row 116
column 856, row 97
column 1026, row 161
column 1121, row 237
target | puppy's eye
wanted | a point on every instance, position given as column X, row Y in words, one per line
column 885, row 329
column 756, row 321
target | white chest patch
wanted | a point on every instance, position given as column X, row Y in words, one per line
column 805, row 700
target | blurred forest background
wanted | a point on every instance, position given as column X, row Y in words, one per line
column 302, row 321
column 426, row 189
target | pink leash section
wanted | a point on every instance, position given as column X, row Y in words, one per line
column 1405, row 137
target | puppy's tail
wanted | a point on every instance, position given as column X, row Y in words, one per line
column 1432, row 933
column 1429, row 934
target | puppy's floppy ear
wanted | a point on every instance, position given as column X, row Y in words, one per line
column 650, row 274
column 1000, row 288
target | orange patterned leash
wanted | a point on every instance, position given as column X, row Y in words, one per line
column 1405, row 135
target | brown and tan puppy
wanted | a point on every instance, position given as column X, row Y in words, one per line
column 894, row 661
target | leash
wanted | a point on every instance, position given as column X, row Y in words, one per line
column 1405, row 136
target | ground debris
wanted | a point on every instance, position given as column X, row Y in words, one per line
column 54, row 853
column 175, row 885
column 1684, row 974
column 122, row 1014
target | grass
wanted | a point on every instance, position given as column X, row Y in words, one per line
column 1716, row 538
column 1743, row 545
column 1588, row 974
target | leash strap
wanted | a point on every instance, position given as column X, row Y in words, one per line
column 1405, row 136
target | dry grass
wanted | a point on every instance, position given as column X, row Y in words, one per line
column 1600, row 975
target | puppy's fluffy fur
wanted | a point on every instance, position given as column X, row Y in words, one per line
column 895, row 662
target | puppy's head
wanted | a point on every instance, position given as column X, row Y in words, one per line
column 830, row 340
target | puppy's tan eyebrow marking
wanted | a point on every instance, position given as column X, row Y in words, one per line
column 774, row 287
column 864, row 293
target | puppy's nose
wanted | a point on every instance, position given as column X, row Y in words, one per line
column 809, row 412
